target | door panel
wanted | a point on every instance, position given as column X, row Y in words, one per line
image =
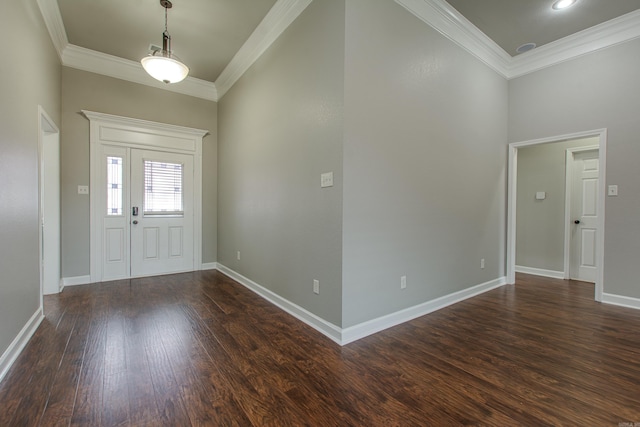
column 584, row 209
column 588, row 249
column 151, row 243
column 115, row 244
column 162, row 189
column 176, row 242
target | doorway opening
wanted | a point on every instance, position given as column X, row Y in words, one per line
column 591, row 226
column 49, row 204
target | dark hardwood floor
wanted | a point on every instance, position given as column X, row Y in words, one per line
column 199, row 349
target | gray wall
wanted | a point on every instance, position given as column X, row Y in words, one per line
column 540, row 224
column 87, row 91
column 424, row 164
column 280, row 128
column 599, row 90
column 30, row 73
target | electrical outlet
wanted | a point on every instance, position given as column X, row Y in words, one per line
column 238, row 255
column 482, row 263
column 326, row 180
column 83, row 189
column 403, row 282
column 316, row 287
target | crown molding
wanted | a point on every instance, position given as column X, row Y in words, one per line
column 53, row 20
column 607, row 34
column 96, row 62
column 449, row 22
column 436, row 13
column 281, row 15
column 278, row 19
column 439, row 15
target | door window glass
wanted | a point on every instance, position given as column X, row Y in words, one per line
column 114, row 186
column 163, row 188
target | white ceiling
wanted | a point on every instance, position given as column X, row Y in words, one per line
column 220, row 39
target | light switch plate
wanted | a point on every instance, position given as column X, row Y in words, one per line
column 541, row 195
column 83, row 189
column 326, row 180
column 612, row 190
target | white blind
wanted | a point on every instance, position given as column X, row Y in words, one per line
column 163, row 188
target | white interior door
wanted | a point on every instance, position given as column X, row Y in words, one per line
column 148, row 212
column 161, row 213
column 584, row 212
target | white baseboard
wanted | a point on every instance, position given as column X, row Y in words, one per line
column 85, row 280
column 622, row 301
column 75, row 281
column 60, row 288
column 373, row 326
column 354, row 333
column 209, row 266
column 20, row 341
column 329, row 329
column 540, row 272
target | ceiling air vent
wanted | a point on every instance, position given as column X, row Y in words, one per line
column 526, row 47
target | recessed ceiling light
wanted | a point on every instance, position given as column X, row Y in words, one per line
column 563, row 4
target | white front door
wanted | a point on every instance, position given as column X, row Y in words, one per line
column 584, row 214
column 162, row 201
column 147, row 212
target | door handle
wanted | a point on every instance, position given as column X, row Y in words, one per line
column 577, row 221
column 134, row 211
column 135, row 221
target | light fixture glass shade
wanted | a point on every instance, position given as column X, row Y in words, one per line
column 165, row 67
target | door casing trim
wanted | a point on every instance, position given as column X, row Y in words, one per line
column 107, row 129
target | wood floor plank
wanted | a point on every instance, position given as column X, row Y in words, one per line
column 198, row 349
column 40, row 372
column 255, row 339
column 207, row 396
column 142, row 404
column 61, row 400
column 88, row 403
column 584, row 374
column 262, row 407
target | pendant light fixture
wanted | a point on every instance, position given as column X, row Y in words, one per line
column 162, row 64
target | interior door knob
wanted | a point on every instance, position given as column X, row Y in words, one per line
column 577, row 221
column 135, row 221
